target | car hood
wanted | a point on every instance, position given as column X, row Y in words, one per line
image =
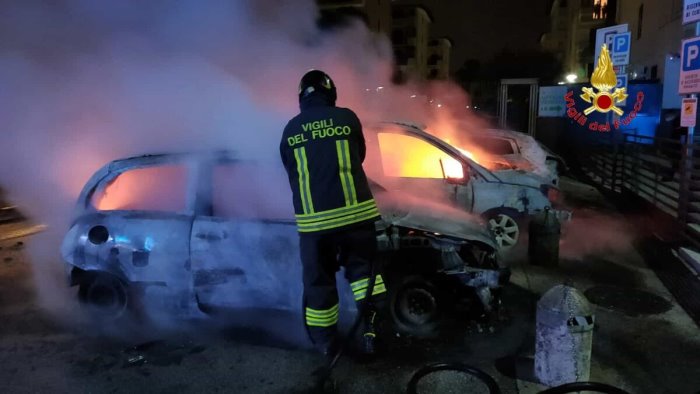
column 411, row 212
column 521, row 177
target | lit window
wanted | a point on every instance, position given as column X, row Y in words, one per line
column 600, row 9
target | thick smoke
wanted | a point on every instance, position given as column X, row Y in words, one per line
column 88, row 82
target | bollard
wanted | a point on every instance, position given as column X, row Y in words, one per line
column 564, row 337
column 543, row 244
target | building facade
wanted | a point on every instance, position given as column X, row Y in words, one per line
column 376, row 13
column 438, row 66
column 657, row 30
column 572, row 32
column 410, row 36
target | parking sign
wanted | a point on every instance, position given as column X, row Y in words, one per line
column 689, row 81
column 605, row 36
column 621, row 83
column 620, row 53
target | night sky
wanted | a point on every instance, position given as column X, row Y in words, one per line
column 482, row 28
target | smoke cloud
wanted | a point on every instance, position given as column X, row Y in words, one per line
column 85, row 82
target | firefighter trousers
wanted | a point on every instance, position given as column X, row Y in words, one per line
column 321, row 256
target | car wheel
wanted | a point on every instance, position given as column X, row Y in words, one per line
column 414, row 306
column 505, row 228
column 105, row 296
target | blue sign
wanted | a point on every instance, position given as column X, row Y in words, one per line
column 621, row 42
column 621, row 81
column 620, row 46
column 691, row 55
column 689, row 81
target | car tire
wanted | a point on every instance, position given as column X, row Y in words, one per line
column 106, row 297
column 506, row 225
column 415, row 307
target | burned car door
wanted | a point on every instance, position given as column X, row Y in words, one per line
column 245, row 250
column 411, row 164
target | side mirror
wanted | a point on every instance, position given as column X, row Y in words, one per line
column 454, row 173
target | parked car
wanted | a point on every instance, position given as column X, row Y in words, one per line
column 408, row 158
column 515, row 150
column 200, row 231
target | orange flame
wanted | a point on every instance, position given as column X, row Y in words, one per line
column 408, row 157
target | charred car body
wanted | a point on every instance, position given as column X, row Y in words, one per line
column 519, row 151
column 196, row 231
column 412, row 159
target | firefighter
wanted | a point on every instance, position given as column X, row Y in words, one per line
column 322, row 149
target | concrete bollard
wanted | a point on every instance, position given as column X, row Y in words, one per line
column 564, row 337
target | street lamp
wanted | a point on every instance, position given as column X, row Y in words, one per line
column 571, row 78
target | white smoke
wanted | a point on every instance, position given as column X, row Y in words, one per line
column 86, row 82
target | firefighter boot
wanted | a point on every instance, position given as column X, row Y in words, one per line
column 369, row 336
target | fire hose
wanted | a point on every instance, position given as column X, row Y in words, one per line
column 493, row 386
column 458, row 367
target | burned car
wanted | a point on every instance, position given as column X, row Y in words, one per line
column 519, row 151
column 191, row 232
column 409, row 158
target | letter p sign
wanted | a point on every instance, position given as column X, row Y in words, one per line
column 621, row 43
column 691, row 55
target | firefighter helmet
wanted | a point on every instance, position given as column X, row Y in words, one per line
column 317, row 81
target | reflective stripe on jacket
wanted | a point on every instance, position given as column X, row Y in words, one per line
column 322, row 150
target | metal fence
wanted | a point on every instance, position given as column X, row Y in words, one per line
column 664, row 172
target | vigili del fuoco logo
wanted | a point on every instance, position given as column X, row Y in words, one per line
column 603, row 97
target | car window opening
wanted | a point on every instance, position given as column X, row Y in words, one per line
column 247, row 191
column 161, row 188
column 409, row 157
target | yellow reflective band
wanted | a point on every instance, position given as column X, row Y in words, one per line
column 343, row 165
column 378, row 289
column 314, row 323
column 322, row 312
column 363, row 282
column 345, row 170
column 322, row 319
column 333, row 213
column 351, row 180
column 304, row 184
column 370, row 334
column 367, row 214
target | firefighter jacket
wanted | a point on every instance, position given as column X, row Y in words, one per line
column 322, row 150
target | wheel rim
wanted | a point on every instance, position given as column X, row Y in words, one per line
column 505, row 229
column 106, row 297
column 417, row 306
